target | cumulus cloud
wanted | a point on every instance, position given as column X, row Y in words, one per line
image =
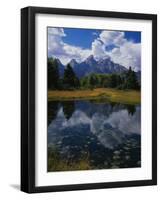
column 63, row 51
column 123, row 51
column 55, row 43
column 112, row 37
column 127, row 55
column 98, row 49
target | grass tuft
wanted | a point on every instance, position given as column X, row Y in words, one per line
column 56, row 163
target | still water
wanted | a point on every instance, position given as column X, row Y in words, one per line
column 108, row 134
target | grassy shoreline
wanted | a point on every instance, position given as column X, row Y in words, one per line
column 105, row 94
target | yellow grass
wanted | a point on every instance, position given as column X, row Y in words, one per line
column 55, row 163
column 106, row 94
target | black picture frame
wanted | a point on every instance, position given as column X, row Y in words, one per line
column 28, row 98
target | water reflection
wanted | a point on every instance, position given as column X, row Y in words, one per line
column 108, row 133
column 131, row 109
column 52, row 110
column 68, row 108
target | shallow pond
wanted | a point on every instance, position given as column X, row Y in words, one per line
column 93, row 135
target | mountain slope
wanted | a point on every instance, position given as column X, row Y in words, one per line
column 90, row 65
column 61, row 67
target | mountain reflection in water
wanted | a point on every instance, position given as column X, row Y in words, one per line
column 107, row 134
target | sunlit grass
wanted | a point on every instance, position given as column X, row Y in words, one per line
column 111, row 95
column 55, row 163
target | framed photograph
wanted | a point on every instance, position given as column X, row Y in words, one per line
column 88, row 99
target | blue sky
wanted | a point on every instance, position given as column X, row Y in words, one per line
column 84, row 37
column 80, row 37
column 123, row 47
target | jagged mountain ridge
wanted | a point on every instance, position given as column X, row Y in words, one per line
column 90, row 65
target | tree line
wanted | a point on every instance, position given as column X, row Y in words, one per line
column 126, row 80
column 70, row 81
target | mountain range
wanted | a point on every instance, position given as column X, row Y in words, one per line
column 90, row 65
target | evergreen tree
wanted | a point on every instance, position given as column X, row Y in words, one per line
column 113, row 81
column 105, row 82
column 53, row 74
column 70, row 80
column 118, row 80
column 83, row 82
column 126, row 80
column 131, row 80
column 92, row 81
